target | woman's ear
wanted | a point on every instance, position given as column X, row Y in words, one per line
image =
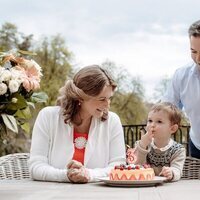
column 80, row 102
column 174, row 128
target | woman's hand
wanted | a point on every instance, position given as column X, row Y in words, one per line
column 166, row 172
column 74, row 164
column 77, row 173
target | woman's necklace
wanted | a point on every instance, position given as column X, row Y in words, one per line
column 80, row 142
column 81, row 135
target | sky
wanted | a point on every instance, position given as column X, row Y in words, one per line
column 148, row 38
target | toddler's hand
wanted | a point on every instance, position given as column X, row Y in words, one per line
column 146, row 139
column 166, row 172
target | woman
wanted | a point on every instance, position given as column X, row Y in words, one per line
column 78, row 140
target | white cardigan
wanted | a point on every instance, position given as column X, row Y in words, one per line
column 52, row 146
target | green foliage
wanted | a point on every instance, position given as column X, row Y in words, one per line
column 54, row 58
column 20, row 77
column 13, row 143
column 161, row 88
column 128, row 98
column 10, row 122
column 129, row 107
column 39, row 97
column 10, row 38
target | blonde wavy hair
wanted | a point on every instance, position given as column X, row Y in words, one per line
column 87, row 83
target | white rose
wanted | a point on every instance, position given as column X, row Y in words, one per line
column 17, row 75
column 13, row 86
column 5, row 75
column 3, row 88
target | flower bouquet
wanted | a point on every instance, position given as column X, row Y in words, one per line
column 19, row 78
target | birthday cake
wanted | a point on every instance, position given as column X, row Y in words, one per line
column 132, row 172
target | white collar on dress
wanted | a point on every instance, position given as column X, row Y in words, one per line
column 162, row 148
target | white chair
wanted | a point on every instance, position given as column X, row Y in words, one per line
column 191, row 169
column 14, row 166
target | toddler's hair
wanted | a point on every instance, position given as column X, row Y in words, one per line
column 175, row 115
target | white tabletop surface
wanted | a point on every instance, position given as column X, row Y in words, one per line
column 28, row 189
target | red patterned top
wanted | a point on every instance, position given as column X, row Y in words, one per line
column 80, row 140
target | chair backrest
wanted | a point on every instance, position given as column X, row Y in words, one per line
column 14, row 166
column 191, row 169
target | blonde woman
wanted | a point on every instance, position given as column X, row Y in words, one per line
column 78, row 140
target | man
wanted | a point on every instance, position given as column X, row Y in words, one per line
column 184, row 89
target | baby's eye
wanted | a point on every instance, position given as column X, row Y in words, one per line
column 149, row 120
column 159, row 121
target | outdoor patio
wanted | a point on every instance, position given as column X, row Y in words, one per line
column 31, row 190
column 16, row 182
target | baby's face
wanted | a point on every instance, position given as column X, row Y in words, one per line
column 158, row 122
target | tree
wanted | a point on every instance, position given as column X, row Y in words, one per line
column 128, row 98
column 11, row 38
column 161, row 88
column 26, row 42
column 54, row 58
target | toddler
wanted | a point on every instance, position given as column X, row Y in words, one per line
column 157, row 148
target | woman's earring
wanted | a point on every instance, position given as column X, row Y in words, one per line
column 79, row 103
